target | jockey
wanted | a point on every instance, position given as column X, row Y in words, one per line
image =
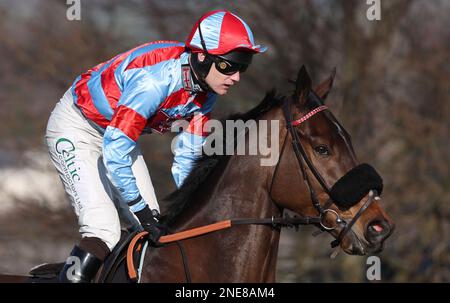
column 93, row 131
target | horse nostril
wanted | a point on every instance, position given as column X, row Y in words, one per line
column 377, row 230
column 377, row 227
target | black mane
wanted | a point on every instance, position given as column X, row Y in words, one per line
column 203, row 167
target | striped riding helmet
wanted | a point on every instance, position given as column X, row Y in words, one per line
column 222, row 34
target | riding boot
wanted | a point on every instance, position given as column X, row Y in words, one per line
column 80, row 267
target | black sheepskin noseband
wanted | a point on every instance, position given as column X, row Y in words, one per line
column 355, row 184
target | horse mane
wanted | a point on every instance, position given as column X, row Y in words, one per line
column 178, row 200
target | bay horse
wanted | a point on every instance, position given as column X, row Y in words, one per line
column 238, row 186
column 317, row 176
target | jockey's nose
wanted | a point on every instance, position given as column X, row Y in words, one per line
column 236, row 76
column 378, row 230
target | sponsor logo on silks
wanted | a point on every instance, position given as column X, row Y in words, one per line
column 66, row 149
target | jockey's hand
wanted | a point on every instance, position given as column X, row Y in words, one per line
column 151, row 225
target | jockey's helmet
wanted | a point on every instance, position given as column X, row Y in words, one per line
column 225, row 39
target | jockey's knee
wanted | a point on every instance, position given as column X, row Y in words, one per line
column 111, row 238
column 104, row 225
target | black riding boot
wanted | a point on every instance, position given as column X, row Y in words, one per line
column 80, row 267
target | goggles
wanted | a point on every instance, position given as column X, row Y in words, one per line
column 227, row 67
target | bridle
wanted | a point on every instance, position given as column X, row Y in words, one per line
column 302, row 157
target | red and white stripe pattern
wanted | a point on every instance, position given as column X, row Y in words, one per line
column 222, row 32
column 309, row 115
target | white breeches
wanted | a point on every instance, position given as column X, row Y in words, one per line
column 75, row 147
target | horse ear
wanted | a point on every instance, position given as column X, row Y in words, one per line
column 324, row 88
column 302, row 85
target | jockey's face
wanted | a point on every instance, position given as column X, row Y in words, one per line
column 219, row 83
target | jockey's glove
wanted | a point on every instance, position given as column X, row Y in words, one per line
column 150, row 224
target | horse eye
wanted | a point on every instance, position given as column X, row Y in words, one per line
column 322, row 150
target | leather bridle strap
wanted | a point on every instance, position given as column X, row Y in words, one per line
column 301, row 154
column 296, row 142
column 276, row 222
column 348, row 227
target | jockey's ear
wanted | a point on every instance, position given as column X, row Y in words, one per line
column 324, row 88
column 302, row 85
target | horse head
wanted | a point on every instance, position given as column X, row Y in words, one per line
column 318, row 174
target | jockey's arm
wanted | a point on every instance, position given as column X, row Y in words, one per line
column 189, row 143
column 139, row 100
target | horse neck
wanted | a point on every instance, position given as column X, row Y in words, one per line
column 238, row 188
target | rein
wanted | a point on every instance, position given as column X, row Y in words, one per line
column 275, row 222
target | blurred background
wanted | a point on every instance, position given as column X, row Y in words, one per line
column 391, row 93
